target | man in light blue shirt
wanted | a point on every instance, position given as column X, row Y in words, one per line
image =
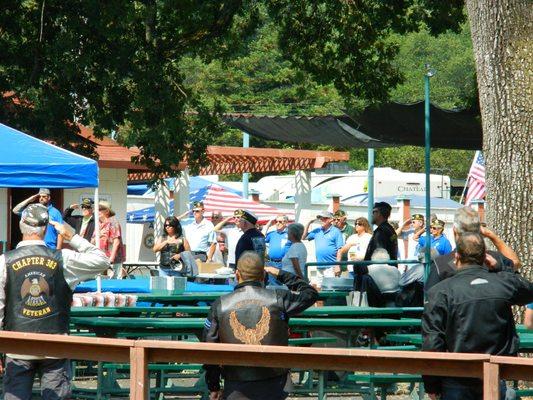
column 277, row 240
column 328, row 240
column 51, row 238
column 439, row 242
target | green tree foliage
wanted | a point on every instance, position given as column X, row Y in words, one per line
column 160, row 72
column 260, row 81
column 114, row 65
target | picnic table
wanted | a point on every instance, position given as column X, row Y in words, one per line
column 138, row 326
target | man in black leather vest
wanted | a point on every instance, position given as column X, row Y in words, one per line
column 255, row 315
column 36, row 284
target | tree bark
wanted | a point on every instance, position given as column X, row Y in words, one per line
column 502, row 33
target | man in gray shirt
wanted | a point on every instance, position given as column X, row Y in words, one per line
column 28, row 304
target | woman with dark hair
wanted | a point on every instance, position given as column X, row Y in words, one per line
column 170, row 244
column 356, row 244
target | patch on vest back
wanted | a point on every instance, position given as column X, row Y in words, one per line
column 479, row 281
column 250, row 335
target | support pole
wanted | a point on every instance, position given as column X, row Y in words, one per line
column 429, row 73
column 302, row 197
column 162, row 205
column 246, row 175
column 370, row 185
column 97, row 217
column 181, row 193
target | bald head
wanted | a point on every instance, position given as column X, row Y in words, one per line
column 250, row 267
column 471, row 249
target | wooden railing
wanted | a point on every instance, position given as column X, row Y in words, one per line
column 141, row 352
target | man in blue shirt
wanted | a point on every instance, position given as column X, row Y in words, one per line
column 328, row 240
column 51, row 238
column 439, row 242
column 277, row 240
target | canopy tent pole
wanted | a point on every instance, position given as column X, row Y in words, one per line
column 96, row 217
column 370, row 184
column 246, row 175
column 427, row 142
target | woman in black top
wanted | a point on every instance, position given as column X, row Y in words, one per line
column 170, row 245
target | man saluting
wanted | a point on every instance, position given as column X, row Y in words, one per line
column 36, row 284
column 255, row 315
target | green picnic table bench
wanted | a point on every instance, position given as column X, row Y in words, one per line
column 526, row 339
column 195, row 297
column 94, row 311
column 325, row 311
column 112, row 325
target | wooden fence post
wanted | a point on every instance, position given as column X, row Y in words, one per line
column 139, row 382
column 491, row 381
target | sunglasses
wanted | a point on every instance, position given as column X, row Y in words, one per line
column 280, row 222
column 86, row 207
column 195, row 211
column 167, row 226
column 359, row 224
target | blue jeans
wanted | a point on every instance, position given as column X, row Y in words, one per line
column 458, row 392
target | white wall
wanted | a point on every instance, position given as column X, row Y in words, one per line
column 113, row 188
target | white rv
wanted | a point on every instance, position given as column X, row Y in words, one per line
column 387, row 182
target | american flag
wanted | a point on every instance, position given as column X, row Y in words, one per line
column 476, row 179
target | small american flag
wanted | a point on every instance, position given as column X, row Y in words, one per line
column 476, row 179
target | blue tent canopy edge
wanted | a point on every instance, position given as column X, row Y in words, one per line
column 27, row 162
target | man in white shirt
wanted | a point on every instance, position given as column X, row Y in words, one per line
column 36, row 284
column 229, row 228
column 407, row 246
column 199, row 233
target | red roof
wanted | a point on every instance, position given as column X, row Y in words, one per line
column 110, row 153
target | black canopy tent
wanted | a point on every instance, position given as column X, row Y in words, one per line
column 385, row 125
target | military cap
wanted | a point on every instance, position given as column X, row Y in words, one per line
column 437, row 223
column 417, row 217
column 339, row 214
column 248, row 216
column 87, row 202
column 197, row 205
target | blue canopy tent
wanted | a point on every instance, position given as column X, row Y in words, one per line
column 27, row 162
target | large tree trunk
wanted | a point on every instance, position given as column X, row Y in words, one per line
column 502, row 36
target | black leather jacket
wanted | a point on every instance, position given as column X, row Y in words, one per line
column 470, row 312
column 442, row 267
column 253, row 314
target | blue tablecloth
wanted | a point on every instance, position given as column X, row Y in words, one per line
column 143, row 286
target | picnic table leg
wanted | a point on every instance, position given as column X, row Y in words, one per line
column 99, row 380
column 322, row 385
